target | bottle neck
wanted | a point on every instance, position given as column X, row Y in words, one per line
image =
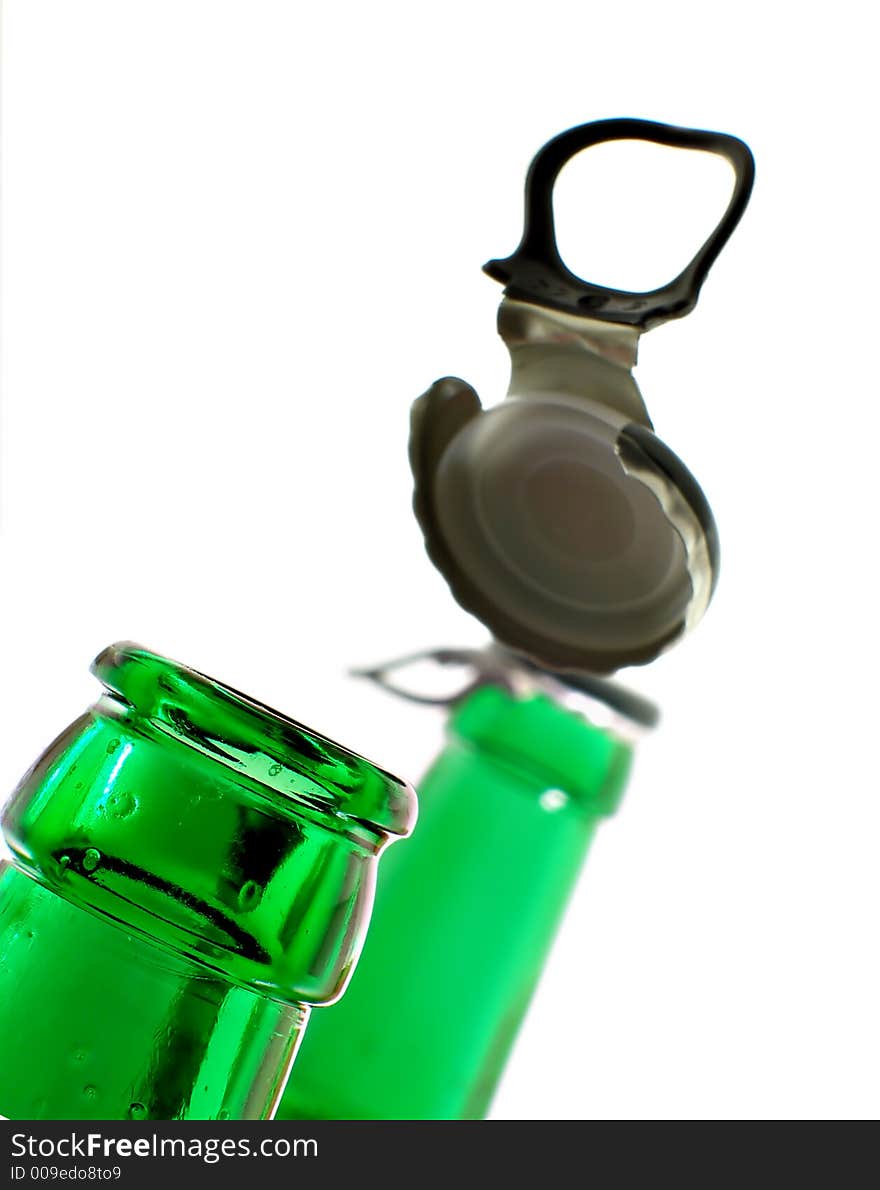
column 561, row 750
column 96, row 1023
column 165, row 841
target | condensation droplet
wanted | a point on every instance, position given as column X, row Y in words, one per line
column 90, row 1092
column 137, row 1111
column 79, row 1056
column 63, row 863
column 249, row 895
column 91, row 859
column 275, row 769
column 222, row 1114
column 121, row 805
column 112, row 746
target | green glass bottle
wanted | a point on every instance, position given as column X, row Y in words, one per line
column 192, row 871
column 467, row 911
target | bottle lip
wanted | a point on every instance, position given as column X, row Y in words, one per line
column 293, row 760
column 600, row 701
column 592, row 695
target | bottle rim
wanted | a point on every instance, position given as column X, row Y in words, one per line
column 288, row 757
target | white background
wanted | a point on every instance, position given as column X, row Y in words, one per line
column 240, row 237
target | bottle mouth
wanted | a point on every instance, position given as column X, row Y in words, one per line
column 618, row 710
column 292, row 760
